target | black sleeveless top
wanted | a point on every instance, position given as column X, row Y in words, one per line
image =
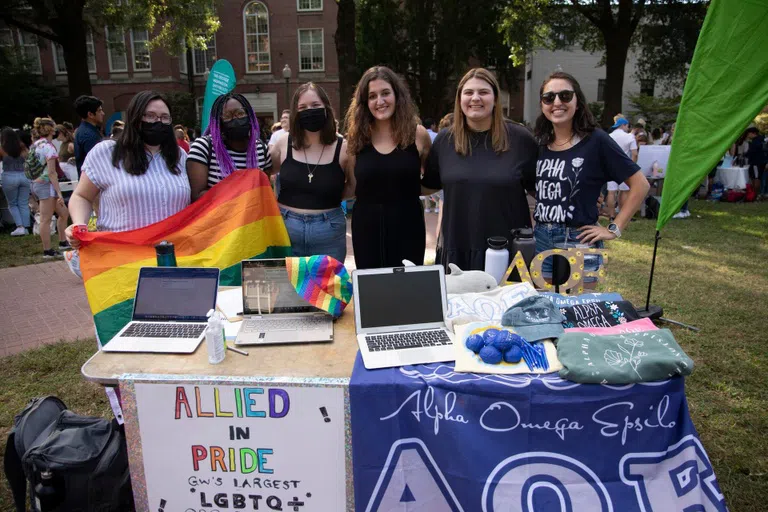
column 388, row 178
column 322, row 192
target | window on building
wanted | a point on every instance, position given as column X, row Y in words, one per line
column 647, row 87
column 58, row 55
column 310, row 5
column 6, row 37
column 199, row 107
column 141, row 58
column 118, row 60
column 183, row 59
column 311, row 50
column 204, row 59
column 601, row 89
column 31, row 51
column 256, row 21
column 529, row 75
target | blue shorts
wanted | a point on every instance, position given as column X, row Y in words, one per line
column 319, row 233
column 552, row 236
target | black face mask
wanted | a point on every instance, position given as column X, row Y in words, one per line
column 312, row 119
column 154, row 134
column 236, row 129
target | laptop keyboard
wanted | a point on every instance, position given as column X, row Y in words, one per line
column 413, row 339
column 174, row 330
column 284, row 324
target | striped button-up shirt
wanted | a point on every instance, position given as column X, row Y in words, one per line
column 130, row 202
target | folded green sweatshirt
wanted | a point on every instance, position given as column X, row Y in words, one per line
column 623, row 358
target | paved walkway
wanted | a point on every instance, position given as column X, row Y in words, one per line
column 46, row 303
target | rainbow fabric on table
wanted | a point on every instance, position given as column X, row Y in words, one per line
column 322, row 281
column 237, row 219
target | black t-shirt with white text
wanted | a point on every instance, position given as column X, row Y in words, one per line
column 568, row 182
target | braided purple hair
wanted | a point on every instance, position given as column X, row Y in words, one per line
column 226, row 164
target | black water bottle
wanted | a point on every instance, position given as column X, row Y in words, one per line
column 523, row 241
column 47, row 493
column 166, row 256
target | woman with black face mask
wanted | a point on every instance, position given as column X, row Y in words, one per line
column 314, row 176
column 230, row 143
column 141, row 176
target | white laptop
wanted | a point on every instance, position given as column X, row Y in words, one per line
column 273, row 312
column 169, row 311
column 400, row 316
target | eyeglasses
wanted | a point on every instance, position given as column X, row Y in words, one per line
column 234, row 114
column 565, row 96
column 151, row 117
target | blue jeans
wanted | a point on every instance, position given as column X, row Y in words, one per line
column 553, row 236
column 16, row 189
column 320, row 233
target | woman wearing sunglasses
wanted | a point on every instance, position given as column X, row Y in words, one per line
column 575, row 161
column 484, row 164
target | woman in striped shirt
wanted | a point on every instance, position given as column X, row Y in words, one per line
column 141, row 176
column 231, row 142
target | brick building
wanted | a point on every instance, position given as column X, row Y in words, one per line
column 259, row 38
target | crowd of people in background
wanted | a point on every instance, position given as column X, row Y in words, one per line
column 475, row 167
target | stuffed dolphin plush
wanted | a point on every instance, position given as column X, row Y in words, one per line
column 460, row 281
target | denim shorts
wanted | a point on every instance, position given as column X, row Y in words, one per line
column 551, row 236
column 319, row 233
column 43, row 190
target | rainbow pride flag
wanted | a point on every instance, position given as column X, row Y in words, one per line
column 322, row 281
column 237, row 219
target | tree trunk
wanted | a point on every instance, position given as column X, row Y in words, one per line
column 616, row 48
column 346, row 54
column 76, row 60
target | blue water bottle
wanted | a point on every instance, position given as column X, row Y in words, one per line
column 166, row 256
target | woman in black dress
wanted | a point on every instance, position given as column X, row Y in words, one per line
column 388, row 149
column 485, row 165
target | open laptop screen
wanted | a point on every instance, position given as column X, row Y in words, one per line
column 176, row 294
column 268, row 290
column 399, row 298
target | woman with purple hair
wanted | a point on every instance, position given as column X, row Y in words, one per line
column 230, row 143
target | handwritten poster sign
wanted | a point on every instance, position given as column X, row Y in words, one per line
column 209, row 448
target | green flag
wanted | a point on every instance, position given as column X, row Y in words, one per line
column 221, row 80
column 727, row 87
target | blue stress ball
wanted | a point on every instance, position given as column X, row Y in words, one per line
column 475, row 343
column 503, row 341
column 513, row 354
column 516, row 339
column 490, row 334
column 490, row 354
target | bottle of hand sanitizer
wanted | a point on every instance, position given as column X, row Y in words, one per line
column 214, row 338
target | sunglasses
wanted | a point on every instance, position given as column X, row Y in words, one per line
column 565, row 96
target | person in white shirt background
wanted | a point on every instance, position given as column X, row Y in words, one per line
column 285, row 121
column 627, row 142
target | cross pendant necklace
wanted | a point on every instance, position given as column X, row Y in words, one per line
column 311, row 172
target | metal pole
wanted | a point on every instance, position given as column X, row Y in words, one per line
column 287, row 93
column 653, row 266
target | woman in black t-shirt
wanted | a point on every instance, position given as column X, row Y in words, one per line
column 484, row 165
column 575, row 160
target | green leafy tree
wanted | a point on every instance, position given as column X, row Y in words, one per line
column 657, row 111
column 612, row 27
column 431, row 43
column 25, row 96
column 172, row 24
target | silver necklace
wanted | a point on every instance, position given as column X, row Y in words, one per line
column 311, row 172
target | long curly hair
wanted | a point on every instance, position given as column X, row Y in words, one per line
column 359, row 117
column 226, row 164
column 129, row 148
column 460, row 129
column 583, row 121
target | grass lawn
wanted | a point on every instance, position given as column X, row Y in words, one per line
column 16, row 251
column 711, row 272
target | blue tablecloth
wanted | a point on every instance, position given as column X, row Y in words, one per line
column 425, row 438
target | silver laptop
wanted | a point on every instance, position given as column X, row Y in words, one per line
column 400, row 316
column 273, row 312
column 169, row 311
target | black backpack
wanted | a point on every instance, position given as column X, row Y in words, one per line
column 66, row 461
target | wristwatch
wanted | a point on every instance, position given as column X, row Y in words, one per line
column 613, row 228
